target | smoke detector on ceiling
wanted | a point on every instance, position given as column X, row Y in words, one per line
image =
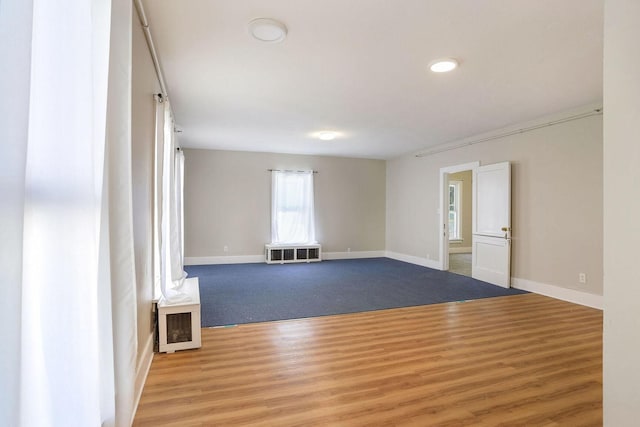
column 267, row 30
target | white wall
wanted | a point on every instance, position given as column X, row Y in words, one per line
column 556, row 196
column 621, row 213
column 144, row 85
column 228, row 202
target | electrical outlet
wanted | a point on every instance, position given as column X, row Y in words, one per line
column 348, row 249
column 226, row 249
column 582, row 278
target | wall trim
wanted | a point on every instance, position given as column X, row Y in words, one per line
column 459, row 250
column 554, row 291
column 142, row 370
column 352, row 255
column 583, row 111
column 234, row 259
column 430, row 263
column 248, row 259
column 565, row 294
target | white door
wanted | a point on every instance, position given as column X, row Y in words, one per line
column 491, row 259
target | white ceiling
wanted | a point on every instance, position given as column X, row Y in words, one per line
column 359, row 67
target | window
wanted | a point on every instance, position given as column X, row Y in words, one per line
column 455, row 195
column 292, row 218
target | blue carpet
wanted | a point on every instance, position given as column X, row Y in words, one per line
column 245, row 293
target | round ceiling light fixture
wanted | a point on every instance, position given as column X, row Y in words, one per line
column 443, row 65
column 327, row 135
column 267, row 30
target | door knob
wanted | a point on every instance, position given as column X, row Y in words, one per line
column 506, row 231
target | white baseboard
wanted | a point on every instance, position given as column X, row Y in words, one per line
column 459, row 250
column 237, row 259
column 247, row 259
column 565, row 294
column 352, row 255
column 414, row 260
column 142, row 371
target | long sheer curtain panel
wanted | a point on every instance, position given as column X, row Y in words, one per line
column 68, row 304
column 292, row 210
column 158, row 156
column 169, row 212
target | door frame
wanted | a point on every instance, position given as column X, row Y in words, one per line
column 444, row 194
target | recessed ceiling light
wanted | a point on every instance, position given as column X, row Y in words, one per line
column 443, row 65
column 267, row 30
column 327, row 136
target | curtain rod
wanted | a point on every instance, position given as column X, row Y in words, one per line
column 595, row 112
column 289, row 170
column 142, row 17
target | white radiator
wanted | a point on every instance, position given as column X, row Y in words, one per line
column 284, row 254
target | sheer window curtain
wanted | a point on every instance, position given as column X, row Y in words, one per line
column 157, row 196
column 178, row 242
column 15, row 69
column 292, row 210
column 169, row 210
column 68, row 306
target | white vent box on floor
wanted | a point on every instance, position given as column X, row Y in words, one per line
column 284, row 254
column 179, row 323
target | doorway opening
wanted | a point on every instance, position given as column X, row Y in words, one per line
column 459, row 215
column 456, row 218
column 490, row 220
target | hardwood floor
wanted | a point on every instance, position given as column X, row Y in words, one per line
column 460, row 264
column 515, row 360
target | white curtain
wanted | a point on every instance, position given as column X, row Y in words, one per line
column 121, row 256
column 172, row 272
column 157, row 197
column 178, row 229
column 15, row 51
column 292, row 216
column 68, row 305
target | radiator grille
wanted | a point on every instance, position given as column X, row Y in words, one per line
column 178, row 328
column 276, row 254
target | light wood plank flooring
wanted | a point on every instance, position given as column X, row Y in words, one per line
column 460, row 264
column 515, row 360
